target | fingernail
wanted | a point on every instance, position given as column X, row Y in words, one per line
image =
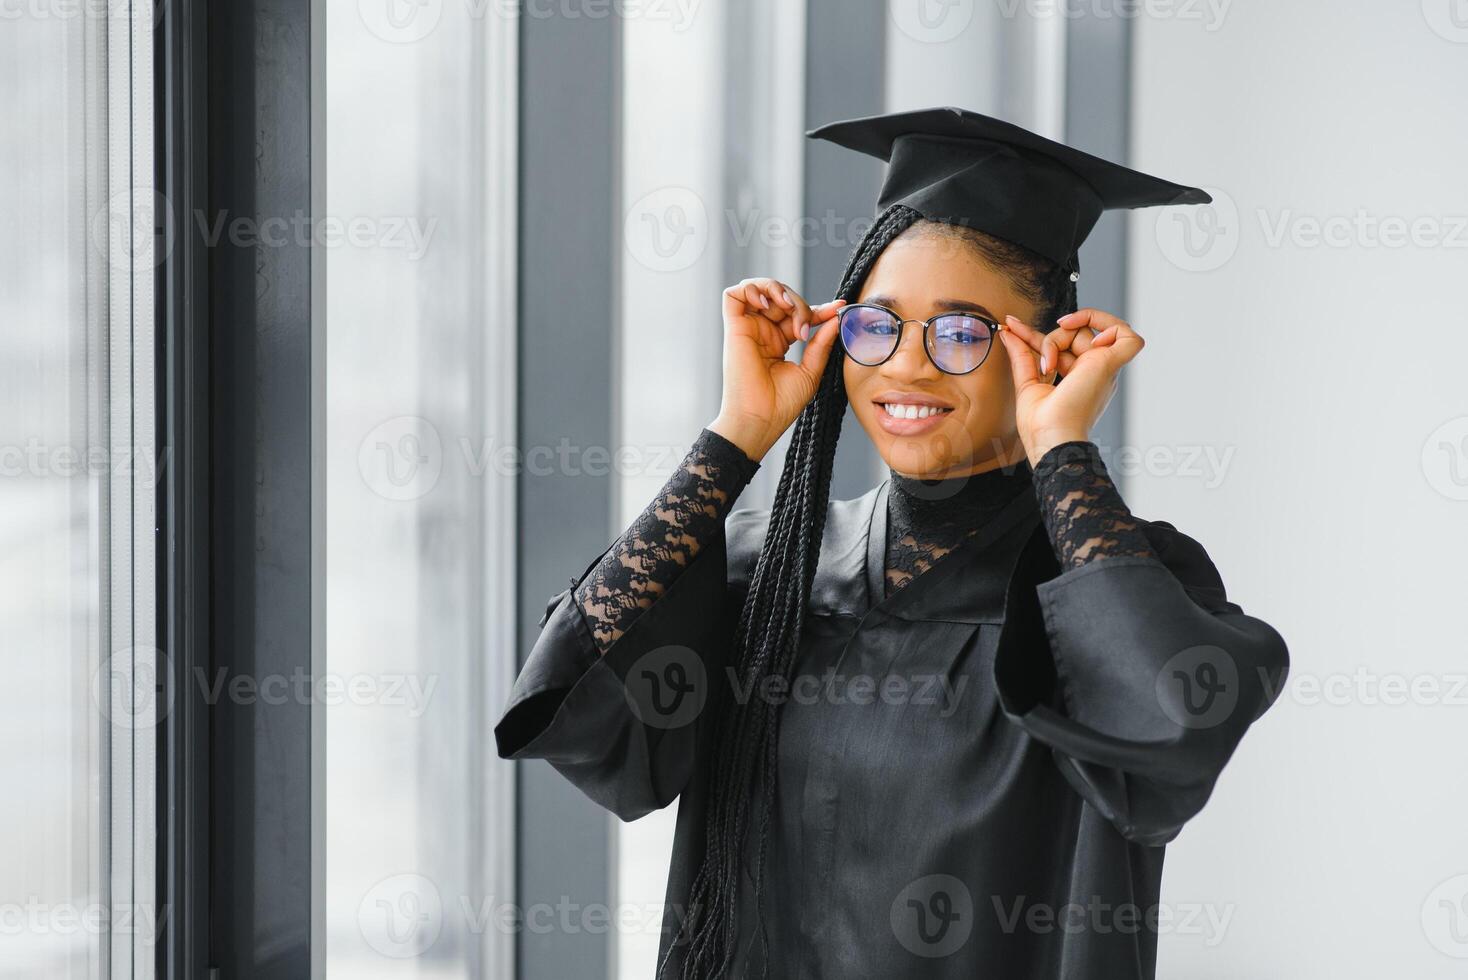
column 805, row 331
column 764, row 301
column 1044, row 363
column 786, row 294
column 1010, row 318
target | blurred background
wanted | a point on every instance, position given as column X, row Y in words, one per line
column 513, row 335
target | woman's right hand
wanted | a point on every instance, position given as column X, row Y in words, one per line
column 763, row 392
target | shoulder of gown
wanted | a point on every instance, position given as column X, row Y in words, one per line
column 1139, row 673
column 626, row 726
column 1189, row 563
column 840, row 581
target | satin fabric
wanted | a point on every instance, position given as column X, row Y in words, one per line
column 978, row 774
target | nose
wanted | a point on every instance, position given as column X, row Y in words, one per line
column 910, row 359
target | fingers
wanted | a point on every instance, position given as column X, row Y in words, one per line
column 761, row 297
column 1076, row 334
column 1095, row 374
column 1049, row 353
column 1126, row 342
column 794, row 304
column 752, row 298
column 1036, row 342
column 825, row 311
column 735, row 302
column 818, row 351
column 1025, row 332
column 746, row 299
column 1063, row 346
column 1095, row 319
column 780, row 305
column 1022, row 363
column 820, row 316
column 1079, row 341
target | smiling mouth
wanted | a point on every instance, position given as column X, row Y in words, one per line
column 909, row 411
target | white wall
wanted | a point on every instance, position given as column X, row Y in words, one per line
column 1327, row 371
column 1004, row 59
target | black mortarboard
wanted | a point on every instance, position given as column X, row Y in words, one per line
column 961, row 167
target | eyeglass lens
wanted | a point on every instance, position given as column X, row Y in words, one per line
column 957, row 342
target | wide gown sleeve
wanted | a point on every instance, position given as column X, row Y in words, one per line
column 1151, row 676
column 614, row 698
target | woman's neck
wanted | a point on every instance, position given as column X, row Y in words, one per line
column 932, row 506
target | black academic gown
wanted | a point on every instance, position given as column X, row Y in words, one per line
column 977, row 773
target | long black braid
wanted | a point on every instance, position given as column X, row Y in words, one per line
column 773, row 616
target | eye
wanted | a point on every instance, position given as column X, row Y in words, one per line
column 962, row 330
column 872, row 322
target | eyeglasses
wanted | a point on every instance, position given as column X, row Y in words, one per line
column 957, row 343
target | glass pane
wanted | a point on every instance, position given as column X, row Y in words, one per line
column 53, row 484
column 740, row 199
column 417, row 807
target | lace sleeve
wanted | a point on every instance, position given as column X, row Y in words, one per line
column 686, row 514
column 1082, row 509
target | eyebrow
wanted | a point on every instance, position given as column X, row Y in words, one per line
column 942, row 305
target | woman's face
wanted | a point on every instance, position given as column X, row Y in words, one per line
column 918, row 275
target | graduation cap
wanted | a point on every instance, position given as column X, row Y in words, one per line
column 961, row 167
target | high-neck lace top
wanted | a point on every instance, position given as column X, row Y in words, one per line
column 1082, row 510
column 926, row 519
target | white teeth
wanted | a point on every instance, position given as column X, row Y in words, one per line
column 912, row 411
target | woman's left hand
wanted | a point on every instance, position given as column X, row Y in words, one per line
column 1088, row 348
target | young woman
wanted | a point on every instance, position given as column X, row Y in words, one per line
column 944, row 729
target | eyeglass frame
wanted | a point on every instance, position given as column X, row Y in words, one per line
column 994, row 328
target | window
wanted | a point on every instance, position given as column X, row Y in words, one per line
column 420, row 370
column 79, row 472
